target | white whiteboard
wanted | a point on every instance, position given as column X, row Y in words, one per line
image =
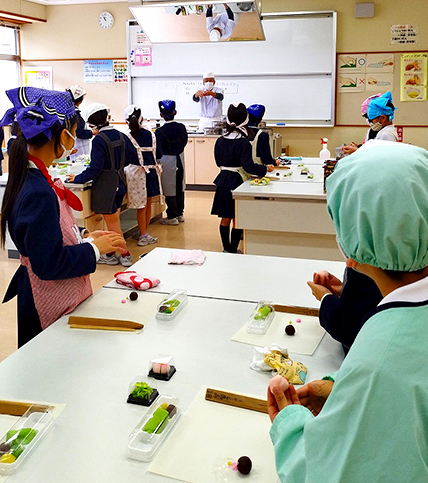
column 292, row 73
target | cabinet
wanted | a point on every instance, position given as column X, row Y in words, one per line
column 201, row 168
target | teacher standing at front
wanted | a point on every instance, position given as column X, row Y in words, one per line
column 210, row 100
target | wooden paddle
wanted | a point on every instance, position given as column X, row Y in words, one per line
column 75, row 321
column 237, row 400
column 17, row 408
column 295, row 309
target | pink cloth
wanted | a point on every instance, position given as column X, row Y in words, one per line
column 365, row 104
column 135, row 280
column 187, row 257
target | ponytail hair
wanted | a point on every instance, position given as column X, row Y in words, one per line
column 18, row 168
column 134, row 123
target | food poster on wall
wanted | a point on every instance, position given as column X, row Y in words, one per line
column 380, row 63
column 40, row 77
column 351, row 83
column 413, row 78
column 379, row 82
column 141, row 56
column 404, row 34
column 97, row 71
column 120, row 71
column 351, row 63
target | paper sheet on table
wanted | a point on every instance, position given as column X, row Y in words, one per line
column 107, row 303
column 308, row 334
column 210, row 433
column 7, row 421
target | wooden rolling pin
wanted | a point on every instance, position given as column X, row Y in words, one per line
column 237, row 400
column 75, row 321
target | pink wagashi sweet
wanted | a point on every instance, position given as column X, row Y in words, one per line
column 136, row 281
column 159, row 368
column 280, row 382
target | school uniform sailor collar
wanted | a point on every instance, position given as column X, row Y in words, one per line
column 106, row 128
column 233, row 135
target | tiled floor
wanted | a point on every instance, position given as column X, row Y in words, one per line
column 200, row 230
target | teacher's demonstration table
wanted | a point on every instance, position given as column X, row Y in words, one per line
column 90, row 372
column 288, row 217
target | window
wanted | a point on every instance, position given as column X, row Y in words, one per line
column 9, row 65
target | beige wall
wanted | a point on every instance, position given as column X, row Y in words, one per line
column 82, row 38
column 21, row 7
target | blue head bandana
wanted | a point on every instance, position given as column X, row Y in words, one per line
column 37, row 110
column 167, row 107
column 377, row 107
column 256, row 113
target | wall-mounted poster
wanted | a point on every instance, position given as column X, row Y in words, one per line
column 350, row 63
column 404, row 34
column 379, row 82
column 97, row 71
column 141, row 56
column 380, row 63
column 413, row 78
column 120, row 71
column 38, row 77
column 351, row 83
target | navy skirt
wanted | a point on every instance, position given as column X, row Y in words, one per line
column 223, row 204
column 152, row 184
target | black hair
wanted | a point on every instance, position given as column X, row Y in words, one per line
column 15, row 129
column 18, row 167
column 99, row 119
column 237, row 114
column 134, row 123
column 397, row 275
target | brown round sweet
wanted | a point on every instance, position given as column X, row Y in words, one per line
column 290, row 330
column 4, row 448
column 133, row 296
column 244, row 465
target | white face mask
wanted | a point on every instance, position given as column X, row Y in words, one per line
column 67, row 152
column 375, row 126
column 209, row 85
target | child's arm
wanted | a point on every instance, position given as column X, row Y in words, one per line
column 99, row 154
column 248, row 163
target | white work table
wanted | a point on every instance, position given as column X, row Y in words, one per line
column 90, row 370
column 236, row 277
column 287, row 218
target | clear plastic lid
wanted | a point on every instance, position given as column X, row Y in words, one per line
column 149, row 434
column 19, row 442
column 261, row 318
column 162, row 367
column 172, row 304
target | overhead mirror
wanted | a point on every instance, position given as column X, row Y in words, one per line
column 216, row 21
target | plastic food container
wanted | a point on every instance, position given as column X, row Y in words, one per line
column 261, row 318
column 162, row 367
column 149, row 434
column 172, row 304
column 141, row 392
column 19, row 442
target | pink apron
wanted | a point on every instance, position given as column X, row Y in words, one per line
column 55, row 298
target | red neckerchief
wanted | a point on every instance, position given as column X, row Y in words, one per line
column 71, row 199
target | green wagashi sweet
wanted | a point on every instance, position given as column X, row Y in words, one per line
column 263, row 312
column 156, row 424
column 142, row 390
column 25, row 436
column 172, row 303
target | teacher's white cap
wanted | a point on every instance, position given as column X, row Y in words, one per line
column 208, row 75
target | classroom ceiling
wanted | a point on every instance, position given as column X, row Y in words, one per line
column 74, row 2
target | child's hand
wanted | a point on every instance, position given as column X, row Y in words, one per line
column 314, row 395
column 280, row 394
column 318, row 291
column 70, row 178
column 270, row 167
column 350, row 149
column 112, row 242
column 329, row 281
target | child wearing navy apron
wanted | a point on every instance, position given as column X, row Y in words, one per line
column 37, row 212
column 109, row 156
column 233, row 156
column 172, row 138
